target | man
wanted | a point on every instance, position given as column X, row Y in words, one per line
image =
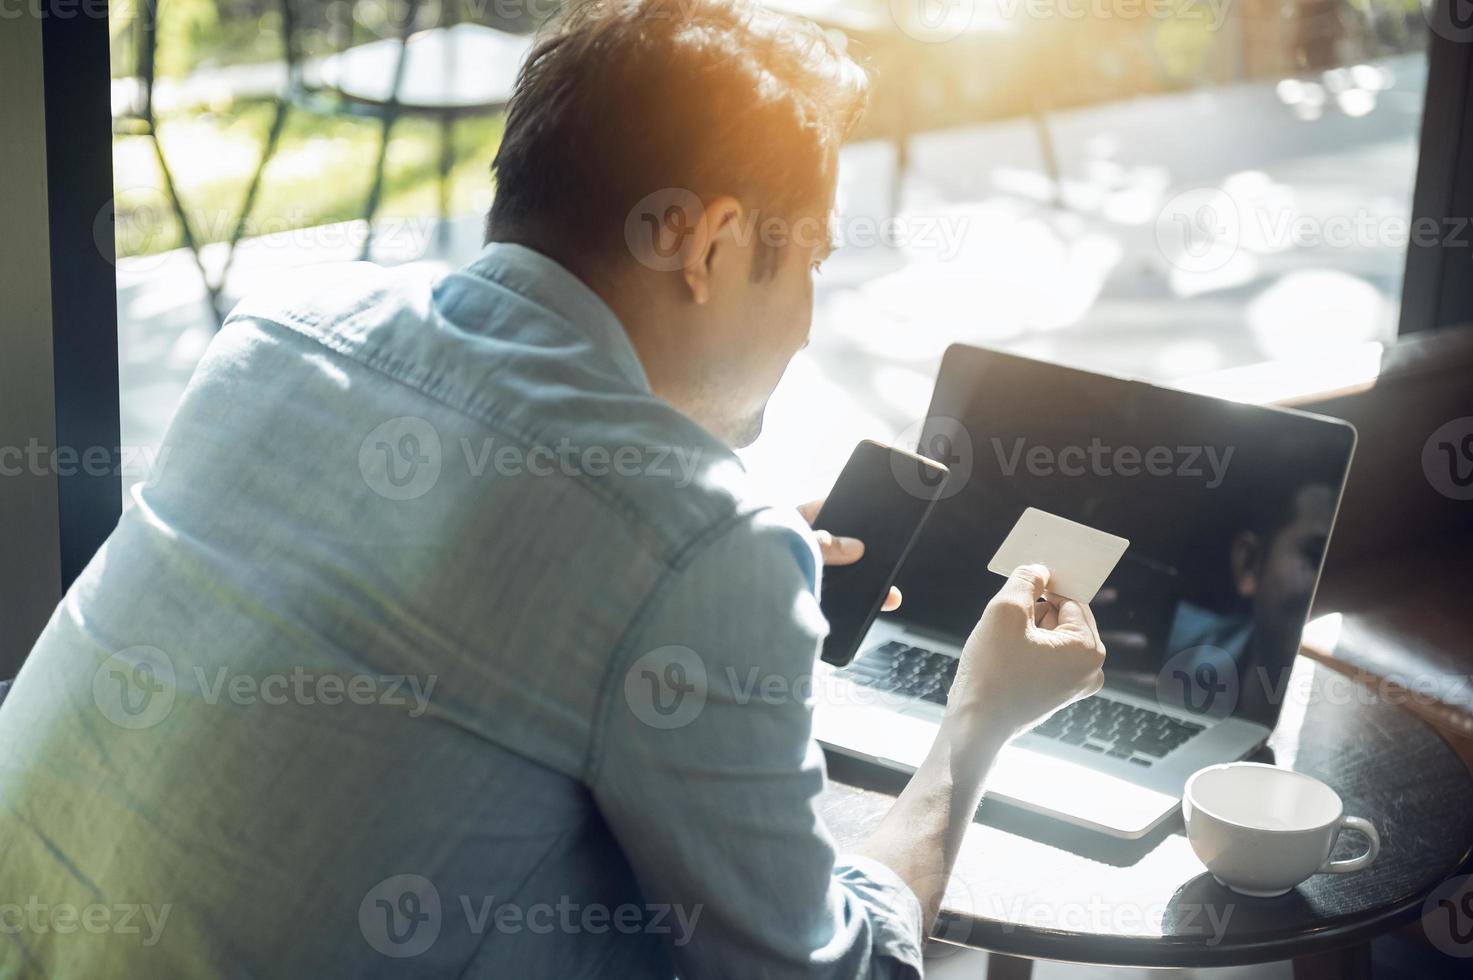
column 450, row 640
column 1274, row 552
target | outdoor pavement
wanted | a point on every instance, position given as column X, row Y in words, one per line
column 1198, row 231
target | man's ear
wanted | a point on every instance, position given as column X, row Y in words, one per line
column 714, row 243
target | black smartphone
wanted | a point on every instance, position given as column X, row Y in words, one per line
column 883, row 498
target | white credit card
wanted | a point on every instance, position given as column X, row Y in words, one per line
column 1079, row 558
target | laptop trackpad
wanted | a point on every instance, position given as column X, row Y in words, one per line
column 881, row 733
column 1043, row 782
column 1033, row 780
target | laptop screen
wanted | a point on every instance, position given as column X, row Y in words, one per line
column 1228, row 509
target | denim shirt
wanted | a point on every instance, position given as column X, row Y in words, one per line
column 436, row 645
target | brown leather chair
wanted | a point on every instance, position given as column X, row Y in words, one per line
column 1400, row 565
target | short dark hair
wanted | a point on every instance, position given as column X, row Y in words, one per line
column 625, row 98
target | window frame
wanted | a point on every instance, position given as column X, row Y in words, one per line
column 1436, row 289
column 59, row 320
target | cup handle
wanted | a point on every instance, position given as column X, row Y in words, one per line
column 1355, row 863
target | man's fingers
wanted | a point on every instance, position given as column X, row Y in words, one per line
column 1026, row 586
column 1046, row 612
column 1089, row 614
column 835, row 550
column 1076, row 617
column 838, row 551
column 892, row 600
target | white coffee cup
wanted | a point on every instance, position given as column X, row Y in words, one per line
column 1261, row 830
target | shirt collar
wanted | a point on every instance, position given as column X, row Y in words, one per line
column 543, row 281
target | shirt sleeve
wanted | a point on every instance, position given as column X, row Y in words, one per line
column 706, row 772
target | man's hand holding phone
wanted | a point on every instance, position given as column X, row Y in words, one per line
column 842, row 551
column 869, row 521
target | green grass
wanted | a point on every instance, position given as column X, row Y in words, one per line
column 321, row 173
column 204, row 33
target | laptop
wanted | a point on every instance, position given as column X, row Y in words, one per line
column 1228, row 509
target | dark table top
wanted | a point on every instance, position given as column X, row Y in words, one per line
column 1035, row 887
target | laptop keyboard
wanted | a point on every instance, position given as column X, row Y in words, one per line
column 1096, row 724
column 902, row 669
column 1117, row 729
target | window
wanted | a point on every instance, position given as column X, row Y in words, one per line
column 1161, row 188
column 1157, row 188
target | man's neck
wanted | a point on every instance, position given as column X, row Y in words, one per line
column 631, row 297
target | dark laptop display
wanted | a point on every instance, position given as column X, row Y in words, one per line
column 1228, row 509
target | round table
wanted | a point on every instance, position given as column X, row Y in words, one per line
column 444, row 73
column 1030, row 887
column 462, row 69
